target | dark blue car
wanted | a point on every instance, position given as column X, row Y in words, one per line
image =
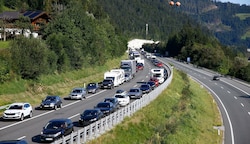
column 56, row 128
column 106, row 107
column 92, row 87
column 145, row 88
column 89, row 116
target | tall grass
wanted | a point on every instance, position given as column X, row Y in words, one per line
column 183, row 114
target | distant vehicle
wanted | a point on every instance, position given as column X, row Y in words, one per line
column 216, row 77
column 129, row 66
column 13, row 142
column 120, row 91
column 78, row 93
column 18, row 111
column 106, row 107
column 145, row 88
column 135, row 93
column 139, row 66
column 159, row 64
column 152, row 84
column 107, row 83
column 155, row 80
column 115, row 76
column 92, row 87
column 51, row 102
column 159, row 73
column 123, row 99
column 128, row 76
column 89, row 116
column 121, row 73
column 56, row 128
column 114, row 101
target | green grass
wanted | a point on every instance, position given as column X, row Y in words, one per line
column 4, row 44
column 57, row 84
column 247, row 34
column 242, row 16
column 183, row 114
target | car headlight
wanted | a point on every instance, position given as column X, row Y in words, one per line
column 94, row 119
column 18, row 113
column 57, row 134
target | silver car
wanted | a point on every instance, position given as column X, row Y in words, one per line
column 78, row 93
column 135, row 93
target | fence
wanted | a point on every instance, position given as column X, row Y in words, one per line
column 105, row 124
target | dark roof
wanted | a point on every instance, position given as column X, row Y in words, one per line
column 10, row 15
column 15, row 14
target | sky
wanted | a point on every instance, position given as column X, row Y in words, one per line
column 241, row 2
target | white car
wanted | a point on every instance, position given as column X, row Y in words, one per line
column 123, row 99
column 18, row 111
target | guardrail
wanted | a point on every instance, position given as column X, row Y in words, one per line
column 105, row 124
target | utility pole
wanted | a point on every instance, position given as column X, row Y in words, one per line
column 146, row 31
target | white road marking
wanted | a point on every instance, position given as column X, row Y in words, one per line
column 235, row 97
column 249, row 113
column 228, row 92
column 221, row 87
column 74, row 116
column 242, row 104
column 21, row 138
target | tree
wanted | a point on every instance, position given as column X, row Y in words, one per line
column 29, row 57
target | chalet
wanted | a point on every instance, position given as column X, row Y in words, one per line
column 37, row 18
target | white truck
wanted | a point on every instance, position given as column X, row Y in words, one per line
column 129, row 66
column 158, row 73
column 121, row 77
column 114, row 76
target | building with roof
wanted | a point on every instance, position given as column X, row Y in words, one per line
column 37, row 18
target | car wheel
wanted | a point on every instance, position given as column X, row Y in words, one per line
column 22, row 117
column 31, row 114
column 60, row 105
column 55, row 107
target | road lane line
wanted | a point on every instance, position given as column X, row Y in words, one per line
column 236, row 87
column 21, row 138
column 235, row 97
column 223, row 106
column 228, row 92
column 242, row 104
column 74, row 116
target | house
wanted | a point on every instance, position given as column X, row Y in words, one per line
column 37, row 18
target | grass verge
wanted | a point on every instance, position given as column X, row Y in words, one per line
column 184, row 113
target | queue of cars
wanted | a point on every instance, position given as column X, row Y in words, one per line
column 56, row 128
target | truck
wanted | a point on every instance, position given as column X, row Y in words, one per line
column 158, row 73
column 129, row 66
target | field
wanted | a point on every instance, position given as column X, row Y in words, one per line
column 4, row 44
column 183, row 114
column 243, row 16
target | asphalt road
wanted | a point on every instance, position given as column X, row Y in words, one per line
column 30, row 128
column 232, row 97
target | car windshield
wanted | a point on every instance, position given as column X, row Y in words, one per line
column 77, row 91
column 106, row 105
column 109, row 100
column 90, row 113
column 119, row 96
column 50, row 98
column 16, row 107
column 144, row 86
column 91, row 85
column 133, row 90
column 55, row 125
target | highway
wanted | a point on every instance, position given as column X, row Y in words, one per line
column 30, row 128
column 232, row 97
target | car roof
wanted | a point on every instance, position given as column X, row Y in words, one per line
column 19, row 103
column 60, row 119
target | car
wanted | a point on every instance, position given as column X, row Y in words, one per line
column 128, row 76
column 89, row 116
column 216, row 77
column 78, row 93
column 51, row 102
column 107, row 83
column 120, row 91
column 159, row 64
column 18, row 111
column 114, row 101
column 56, row 128
column 106, row 107
column 152, row 84
column 13, row 142
column 135, row 93
column 92, row 87
column 139, row 66
column 123, row 99
column 156, row 80
column 145, row 88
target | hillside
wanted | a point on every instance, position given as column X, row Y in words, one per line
column 228, row 22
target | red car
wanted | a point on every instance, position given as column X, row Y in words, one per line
column 154, row 79
column 159, row 64
column 139, row 66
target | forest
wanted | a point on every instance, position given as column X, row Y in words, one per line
column 85, row 33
